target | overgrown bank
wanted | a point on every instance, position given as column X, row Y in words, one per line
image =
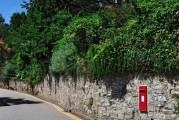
column 93, row 38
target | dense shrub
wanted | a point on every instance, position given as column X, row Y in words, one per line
column 63, row 57
column 7, row 71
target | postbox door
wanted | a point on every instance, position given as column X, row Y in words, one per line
column 143, row 98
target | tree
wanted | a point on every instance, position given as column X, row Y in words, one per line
column 4, row 28
column 17, row 19
column 2, row 20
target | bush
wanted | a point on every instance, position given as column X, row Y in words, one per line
column 63, row 58
column 7, row 71
column 83, row 31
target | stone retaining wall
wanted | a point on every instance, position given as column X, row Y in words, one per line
column 110, row 99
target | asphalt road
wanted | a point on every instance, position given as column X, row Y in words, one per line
column 19, row 106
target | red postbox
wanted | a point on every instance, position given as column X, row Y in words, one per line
column 143, row 98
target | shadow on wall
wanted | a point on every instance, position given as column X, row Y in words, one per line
column 49, row 78
column 9, row 101
column 56, row 77
column 117, row 86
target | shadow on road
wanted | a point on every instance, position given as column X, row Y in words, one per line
column 9, row 101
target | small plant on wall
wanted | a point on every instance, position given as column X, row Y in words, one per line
column 176, row 106
column 90, row 103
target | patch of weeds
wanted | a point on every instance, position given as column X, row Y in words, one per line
column 176, row 107
column 90, row 103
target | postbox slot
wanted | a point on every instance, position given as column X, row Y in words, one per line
column 142, row 91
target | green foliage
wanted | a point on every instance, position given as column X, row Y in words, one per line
column 4, row 28
column 2, row 20
column 83, row 31
column 64, row 57
column 69, row 37
column 69, row 53
column 32, row 38
column 144, row 42
column 177, row 107
column 7, row 71
column 116, row 17
column 17, row 19
column 35, row 73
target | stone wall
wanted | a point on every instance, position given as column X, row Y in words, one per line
column 110, row 99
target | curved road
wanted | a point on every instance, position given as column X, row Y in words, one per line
column 19, row 106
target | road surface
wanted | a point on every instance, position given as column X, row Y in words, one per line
column 19, row 106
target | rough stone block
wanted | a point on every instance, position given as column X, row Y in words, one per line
column 166, row 111
column 106, row 103
column 129, row 87
column 129, row 116
column 159, row 116
column 130, row 110
column 171, row 117
column 159, row 104
column 169, row 106
column 124, row 104
column 175, row 92
column 177, row 88
column 159, row 91
column 123, row 109
column 158, row 87
column 135, row 94
column 170, row 87
column 155, row 82
column 120, row 116
column 129, row 99
column 143, row 116
column 114, row 115
column 151, row 108
column 162, row 98
column 150, row 114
